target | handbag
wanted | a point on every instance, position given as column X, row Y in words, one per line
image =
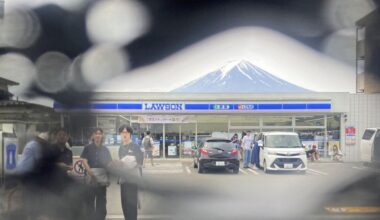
column 101, row 177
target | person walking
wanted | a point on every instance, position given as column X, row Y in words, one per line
column 247, row 145
column 147, row 142
column 96, row 159
column 131, row 157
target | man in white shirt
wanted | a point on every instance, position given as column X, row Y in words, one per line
column 247, row 147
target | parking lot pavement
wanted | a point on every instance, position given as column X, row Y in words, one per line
column 180, row 181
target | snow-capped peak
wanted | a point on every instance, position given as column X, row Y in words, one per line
column 240, row 76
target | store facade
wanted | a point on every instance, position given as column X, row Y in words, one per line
column 178, row 121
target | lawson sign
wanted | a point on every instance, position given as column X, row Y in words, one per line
column 163, row 106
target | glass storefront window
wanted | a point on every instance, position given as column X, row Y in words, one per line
column 277, row 121
column 172, row 140
column 187, row 140
column 108, row 124
column 80, row 128
column 313, row 137
column 316, row 120
column 333, row 132
column 212, row 130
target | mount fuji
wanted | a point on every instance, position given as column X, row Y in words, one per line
column 239, row 77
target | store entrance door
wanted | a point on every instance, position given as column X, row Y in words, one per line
column 179, row 140
column 157, row 134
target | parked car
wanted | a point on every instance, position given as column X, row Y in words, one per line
column 281, row 151
column 216, row 153
column 370, row 146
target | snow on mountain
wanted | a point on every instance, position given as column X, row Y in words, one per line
column 239, row 77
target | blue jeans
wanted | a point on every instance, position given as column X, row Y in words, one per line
column 247, row 157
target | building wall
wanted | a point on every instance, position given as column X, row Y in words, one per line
column 364, row 113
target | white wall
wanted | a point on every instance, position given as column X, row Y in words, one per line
column 364, row 113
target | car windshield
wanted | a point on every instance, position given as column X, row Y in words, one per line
column 283, row 141
column 219, row 145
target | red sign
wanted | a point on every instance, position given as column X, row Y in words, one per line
column 350, row 131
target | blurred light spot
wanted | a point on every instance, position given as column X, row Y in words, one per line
column 52, row 71
column 341, row 45
column 19, row 29
column 103, row 62
column 18, row 68
column 343, row 14
column 116, row 21
column 76, row 80
column 70, row 5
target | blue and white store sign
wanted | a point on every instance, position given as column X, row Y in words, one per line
column 163, row 106
column 10, row 153
column 204, row 107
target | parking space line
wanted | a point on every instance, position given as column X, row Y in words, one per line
column 241, row 170
column 319, row 172
column 312, row 173
column 188, row 170
column 252, row 171
column 359, row 168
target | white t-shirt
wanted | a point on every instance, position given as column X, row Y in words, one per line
column 247, row 142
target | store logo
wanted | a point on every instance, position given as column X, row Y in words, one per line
column 222, row 107
column 246, row 107
column 163, row 106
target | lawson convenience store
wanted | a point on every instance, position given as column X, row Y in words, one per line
column 178, row 121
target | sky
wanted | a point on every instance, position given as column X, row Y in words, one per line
column 272, row 51
column 332, row 70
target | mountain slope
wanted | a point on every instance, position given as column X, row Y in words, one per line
column 239, row 77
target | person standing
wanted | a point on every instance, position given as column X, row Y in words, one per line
column 131, row 157
column 96, row 159
column 235, row 140
column 256, row 154
column 241, row 150
column 147, row 142
column 64, row 153
column 35, row 168
column 34, row 154
column 247, row 145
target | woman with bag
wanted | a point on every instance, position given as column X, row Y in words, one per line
column 96, row 159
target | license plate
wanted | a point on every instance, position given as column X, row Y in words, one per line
column 220, row 163
column 288, row 166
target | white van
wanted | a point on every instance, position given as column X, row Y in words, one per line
column 281, row 151
column 370, row 146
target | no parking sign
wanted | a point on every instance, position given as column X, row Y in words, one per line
column 79, row 168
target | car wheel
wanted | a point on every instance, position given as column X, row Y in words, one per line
column 200, row 168
column 265, row 167
column 236, row 170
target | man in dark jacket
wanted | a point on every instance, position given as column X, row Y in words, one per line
column 131, row 158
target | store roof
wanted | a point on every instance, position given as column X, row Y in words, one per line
column 8, row 82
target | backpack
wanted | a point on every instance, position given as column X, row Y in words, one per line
column 147, row 143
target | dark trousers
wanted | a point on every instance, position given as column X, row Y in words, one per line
column 97, row 202
column 129, row 201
